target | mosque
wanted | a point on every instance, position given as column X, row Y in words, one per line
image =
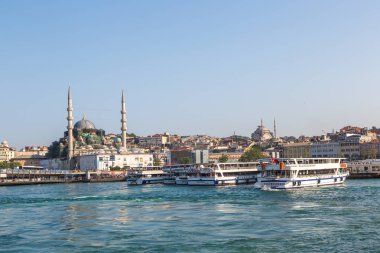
column 83, row 138
column 263, row 134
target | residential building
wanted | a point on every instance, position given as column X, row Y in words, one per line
column 155, row 140
column 350, row 150
column 232, row 157
column 29, row 160
column 296, row 150
column 325, row 149
column 200, row 156
column 6, row 152
column 32, row 150
column 370, row 150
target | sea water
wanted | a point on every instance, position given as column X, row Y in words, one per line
column 114, row 217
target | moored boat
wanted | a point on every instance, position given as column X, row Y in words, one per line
column 225, row 174
column 179, row 174
column 145, row 175
column 295, row 173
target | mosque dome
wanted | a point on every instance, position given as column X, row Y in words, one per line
column 84, row 124
column 262, row 134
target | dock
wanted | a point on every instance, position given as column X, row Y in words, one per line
column 9, row 177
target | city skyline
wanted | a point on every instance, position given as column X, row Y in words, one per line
column 188, row 68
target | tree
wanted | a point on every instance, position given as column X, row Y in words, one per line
column 223, row 158
column 156, row 162
column 185, row 160
column 9, row 165
column 54, row 150
column 116, row 168
column 251, row 155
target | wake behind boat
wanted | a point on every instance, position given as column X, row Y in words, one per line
column 295, row 173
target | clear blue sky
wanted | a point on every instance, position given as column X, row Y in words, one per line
column 188, row 67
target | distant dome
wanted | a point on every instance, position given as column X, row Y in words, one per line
column 84, row 124
column 262, row 134
column 5, row 143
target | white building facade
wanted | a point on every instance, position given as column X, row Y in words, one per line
column 6, row 152
column 328, row 149
column 107, row 161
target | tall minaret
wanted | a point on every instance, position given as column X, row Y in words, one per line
column 123, row 122
column 70, row 127
column 274, row 128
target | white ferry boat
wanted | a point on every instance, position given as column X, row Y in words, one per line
column 145, row 175
column 294, row 173
column 179, row 174
column 225, row 174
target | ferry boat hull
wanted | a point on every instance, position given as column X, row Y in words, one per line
column 169, row 181
column 281, row 184
column 181, row 181
column 222, row 181
column 296, row 173
column 141, row 181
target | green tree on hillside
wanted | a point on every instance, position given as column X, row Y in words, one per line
column 252, row 154
column 185, row 160
column 156, row 162
column 223, row 158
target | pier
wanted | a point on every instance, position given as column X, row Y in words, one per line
column 10, row 177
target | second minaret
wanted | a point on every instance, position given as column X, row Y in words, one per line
column 123, row 122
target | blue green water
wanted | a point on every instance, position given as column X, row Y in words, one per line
column 114, row 217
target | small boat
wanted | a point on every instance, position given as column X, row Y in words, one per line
column 225, row 174
column 145, row 175
column 295, row 173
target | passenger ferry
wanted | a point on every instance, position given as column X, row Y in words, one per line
column 225, row 174
column 145, row 175
column 294, row 173
column 179, row 174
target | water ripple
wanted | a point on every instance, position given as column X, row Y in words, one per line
column 113, row 217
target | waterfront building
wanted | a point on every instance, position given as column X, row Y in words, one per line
column 29, row 160
column 370, row 150
column 325, row 149
column 188, row 155
column 109, row 161
column 296, row 150
column 163, row 157
column 6, row 152
column 232, row 157
column 364, row 166
column 53, row 164
column 350, row 150
column 179, row 155
column 32, row 150
column 199, row 156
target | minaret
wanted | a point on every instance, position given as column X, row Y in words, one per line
column 70, row 127
column 123, row 122
column 274, row 128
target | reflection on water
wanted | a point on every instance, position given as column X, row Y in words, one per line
column 114, row 217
